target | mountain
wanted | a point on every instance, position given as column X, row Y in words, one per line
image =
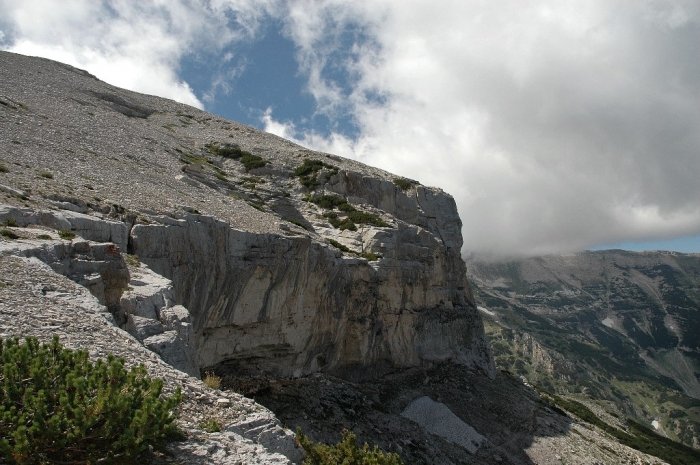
column 621, row 328
column 325, row 293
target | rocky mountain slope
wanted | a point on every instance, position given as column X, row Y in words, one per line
column 227, row 213
column 619, row 327
column 332, row 292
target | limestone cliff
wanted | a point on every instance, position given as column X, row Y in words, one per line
column 288, row 261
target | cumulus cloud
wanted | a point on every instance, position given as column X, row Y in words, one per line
column 136, row 45
column 557, row 125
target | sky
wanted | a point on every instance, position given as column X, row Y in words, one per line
column 557, row 125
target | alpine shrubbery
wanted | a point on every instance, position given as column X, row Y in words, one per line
column 56, row 406
column 346, row 452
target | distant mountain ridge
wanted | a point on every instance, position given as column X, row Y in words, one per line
column 614, row 325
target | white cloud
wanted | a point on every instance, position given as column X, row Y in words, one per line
column 556, row 125
column 136, row 45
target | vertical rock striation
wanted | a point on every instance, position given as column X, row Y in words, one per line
column 290, row 305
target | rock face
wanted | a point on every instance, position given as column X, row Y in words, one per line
column 291, row 305
column 287, row 260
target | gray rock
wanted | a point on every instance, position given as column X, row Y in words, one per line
column 439, row 420
column 143, row 328
column 173, row 351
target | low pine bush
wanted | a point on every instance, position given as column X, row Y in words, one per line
column 66, row 234
column 56, row 406
column 346, row 452
column 8, row 234
column 405, row 183
column 308, row 170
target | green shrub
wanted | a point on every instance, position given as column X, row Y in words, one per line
column 228, row 151
column 367, row 218
column 45, row 237
column 328, row 202
column 296, row 222
column 250, row 161
column 312, row 166
column 405, row 184
column 66, row 234
column 346, row 452
column 372, row 257
column 11, row 222
column 309, row 181
column 56, row 406
column 210, row 425
column 308, row 170
column 8, row 234
column 253, row 180
column 345, row 223
column 338, row 245
column 346, row 207
column 45, row 174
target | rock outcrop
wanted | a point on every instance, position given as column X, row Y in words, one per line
column 288, row 261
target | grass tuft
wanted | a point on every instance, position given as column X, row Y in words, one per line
column 211, row 380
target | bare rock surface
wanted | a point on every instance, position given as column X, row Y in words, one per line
column 438, row 419
column 510, row 421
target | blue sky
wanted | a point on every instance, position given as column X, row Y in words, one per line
column 558, row 125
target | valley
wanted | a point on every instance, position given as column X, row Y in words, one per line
column 613, row 327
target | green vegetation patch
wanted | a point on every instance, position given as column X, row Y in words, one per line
column 405, row 183
column 342, row 224
column 359, row 217
column 11, row 222
column 308, row 170
column 329, row 202
column 46, row 174
column 189, row 158
column 4, row 169
column 45, row 237
column 8, row 234
column 59, row 407
column 249, row 161
column 257, row 206
column 211, row 426
column 638, row 437
column 296, row 222
column 338, row 245
column 346, row 452
column 66, row 234
column 226, row 151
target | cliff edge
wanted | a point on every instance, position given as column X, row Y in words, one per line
column 275, row 259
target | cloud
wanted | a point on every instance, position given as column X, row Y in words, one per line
column 557, row 125
column 136, row 45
